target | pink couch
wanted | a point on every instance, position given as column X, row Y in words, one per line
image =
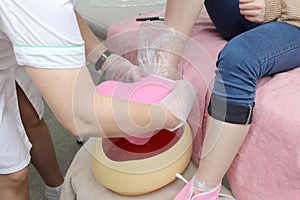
column 268, row 163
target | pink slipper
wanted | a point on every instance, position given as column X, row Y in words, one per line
column 209, row 195
column 187, row 193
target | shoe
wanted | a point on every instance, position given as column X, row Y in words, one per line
column 187, row 193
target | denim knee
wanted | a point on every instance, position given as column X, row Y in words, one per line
column 247, row 58
column 235, row 84
column 236, row 75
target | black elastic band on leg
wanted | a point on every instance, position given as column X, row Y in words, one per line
column 231, row 113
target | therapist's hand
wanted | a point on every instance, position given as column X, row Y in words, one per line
column 253, row 10
column 179, row 101
column 120, row 69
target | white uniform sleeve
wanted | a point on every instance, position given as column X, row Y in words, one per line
column 44, row 34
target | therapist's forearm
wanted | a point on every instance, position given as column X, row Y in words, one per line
column 98, row 115
column 181, row 15
column 71, row 95
column 123, row 118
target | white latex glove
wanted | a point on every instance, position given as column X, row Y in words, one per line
column 180, row 101
column 120, row 69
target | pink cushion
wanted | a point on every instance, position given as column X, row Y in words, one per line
column 268, row 163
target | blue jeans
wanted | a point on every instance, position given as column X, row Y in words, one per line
column 252, row 52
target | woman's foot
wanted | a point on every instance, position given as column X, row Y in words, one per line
column 187, row 193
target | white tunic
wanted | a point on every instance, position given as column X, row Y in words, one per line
column 41, row 34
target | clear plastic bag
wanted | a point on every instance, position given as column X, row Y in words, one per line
column 159, row 49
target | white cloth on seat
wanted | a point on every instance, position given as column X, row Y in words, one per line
column 81, row 184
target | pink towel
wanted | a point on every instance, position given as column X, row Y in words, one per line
column 151, row 89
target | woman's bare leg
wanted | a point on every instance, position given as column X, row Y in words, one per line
column 221, row 143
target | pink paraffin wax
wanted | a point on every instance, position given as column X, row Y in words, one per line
column 151, row 89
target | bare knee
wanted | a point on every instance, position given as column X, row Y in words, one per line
column 14, row 185
column 19, row 177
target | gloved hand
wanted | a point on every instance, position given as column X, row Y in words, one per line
column 180, row 101
column 120, row 69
